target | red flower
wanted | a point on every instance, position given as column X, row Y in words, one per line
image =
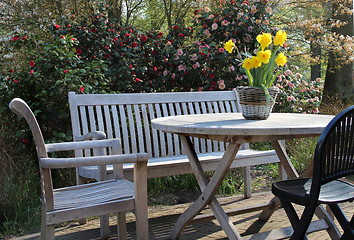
column 155, row 69
column 15, row 38
column 15, row 81
column 143, row 38
column 69, row 25
column 66, row 71
column 56, row 26
column 62, row 37
column 196, row 12
column 32, row 63
column 245, row 2
column 31, row 72
column 25, row 37
column 73, row 39
column 127, row 35
column 135, row 44
column 175, row 27
column 160, row 35
column 181, row 35
column 25, row 141
column 121, row 44
column 232, row 2
column 82, row 89
column 78, row 51
column 138, row 80
column 11, row 70
column 107, row 56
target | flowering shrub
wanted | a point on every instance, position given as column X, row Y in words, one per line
column 297, row 94
column 53, row 69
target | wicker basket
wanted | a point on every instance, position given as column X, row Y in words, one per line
column 253, row 102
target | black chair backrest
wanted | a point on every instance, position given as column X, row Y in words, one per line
column 335, row 149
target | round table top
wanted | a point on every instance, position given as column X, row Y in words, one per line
column 233, row 124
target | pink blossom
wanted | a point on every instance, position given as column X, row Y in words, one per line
column 290, row 98
column 31, row 72
column 211, row 16
column 179, row 52
column 315, row 110
column 225, row 23
column 32, row 64
column 57, row 26
column 165, row 72
column 138, row 80
column 25, row 38
column 253, row 9
column 82, row 89
column 288, row 73
column 173, row 76
column 181, row 67
column 222, row 85
column 196, row 65
column 206, row 32
column 214, row 26
column 194, row 57
column 221, row 50
column 66, row 71
column 318, row 80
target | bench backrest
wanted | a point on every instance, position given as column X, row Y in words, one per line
column 127, row 116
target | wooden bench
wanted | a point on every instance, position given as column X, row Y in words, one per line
column 127, row 116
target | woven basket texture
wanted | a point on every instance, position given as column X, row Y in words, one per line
column 253, row 102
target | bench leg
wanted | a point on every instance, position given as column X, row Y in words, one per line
column 122, row 226
column 104, row 226
column 246, row 174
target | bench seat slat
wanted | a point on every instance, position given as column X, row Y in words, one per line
column 165, row 166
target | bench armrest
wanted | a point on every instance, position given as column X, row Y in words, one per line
column 93, row 161
column 68, row 146
column 91, row 135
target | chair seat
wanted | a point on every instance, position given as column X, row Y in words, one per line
column 297, row 191
column 86, row 195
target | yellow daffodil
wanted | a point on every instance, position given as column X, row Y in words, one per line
column 264, row 56
column 265, row 39
column 229, row 46
column 256, row 62
column 281, row 59
column 280, row 38
column 247, row 63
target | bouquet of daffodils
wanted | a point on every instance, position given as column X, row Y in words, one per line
column 260, row 68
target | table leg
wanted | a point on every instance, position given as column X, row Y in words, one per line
column 208, row 191
column 290, row 171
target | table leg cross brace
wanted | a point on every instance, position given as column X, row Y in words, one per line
column 208, row 191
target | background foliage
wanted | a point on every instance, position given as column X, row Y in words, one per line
column 49, row 48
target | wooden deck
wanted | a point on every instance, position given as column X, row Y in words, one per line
column 162, row 218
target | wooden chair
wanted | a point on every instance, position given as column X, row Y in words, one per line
column 333, row 160
column 94, row 199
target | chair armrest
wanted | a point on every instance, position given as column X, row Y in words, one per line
column 92, row 161
column 68, row 146
column 91, row 135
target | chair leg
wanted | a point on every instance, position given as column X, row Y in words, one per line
column 343, row 221
column 294, row 220
column 122, row 226
column 48, row 232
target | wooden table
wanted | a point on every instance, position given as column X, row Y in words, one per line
column 234, row 129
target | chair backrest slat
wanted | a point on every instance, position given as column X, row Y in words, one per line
column 334, row 150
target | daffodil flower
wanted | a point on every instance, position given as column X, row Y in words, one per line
column 280, row 38
column 264, row 56
column 229, row 46
column 265, row 39
column 281, row 59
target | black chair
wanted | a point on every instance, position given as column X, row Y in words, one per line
column 333, row 160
